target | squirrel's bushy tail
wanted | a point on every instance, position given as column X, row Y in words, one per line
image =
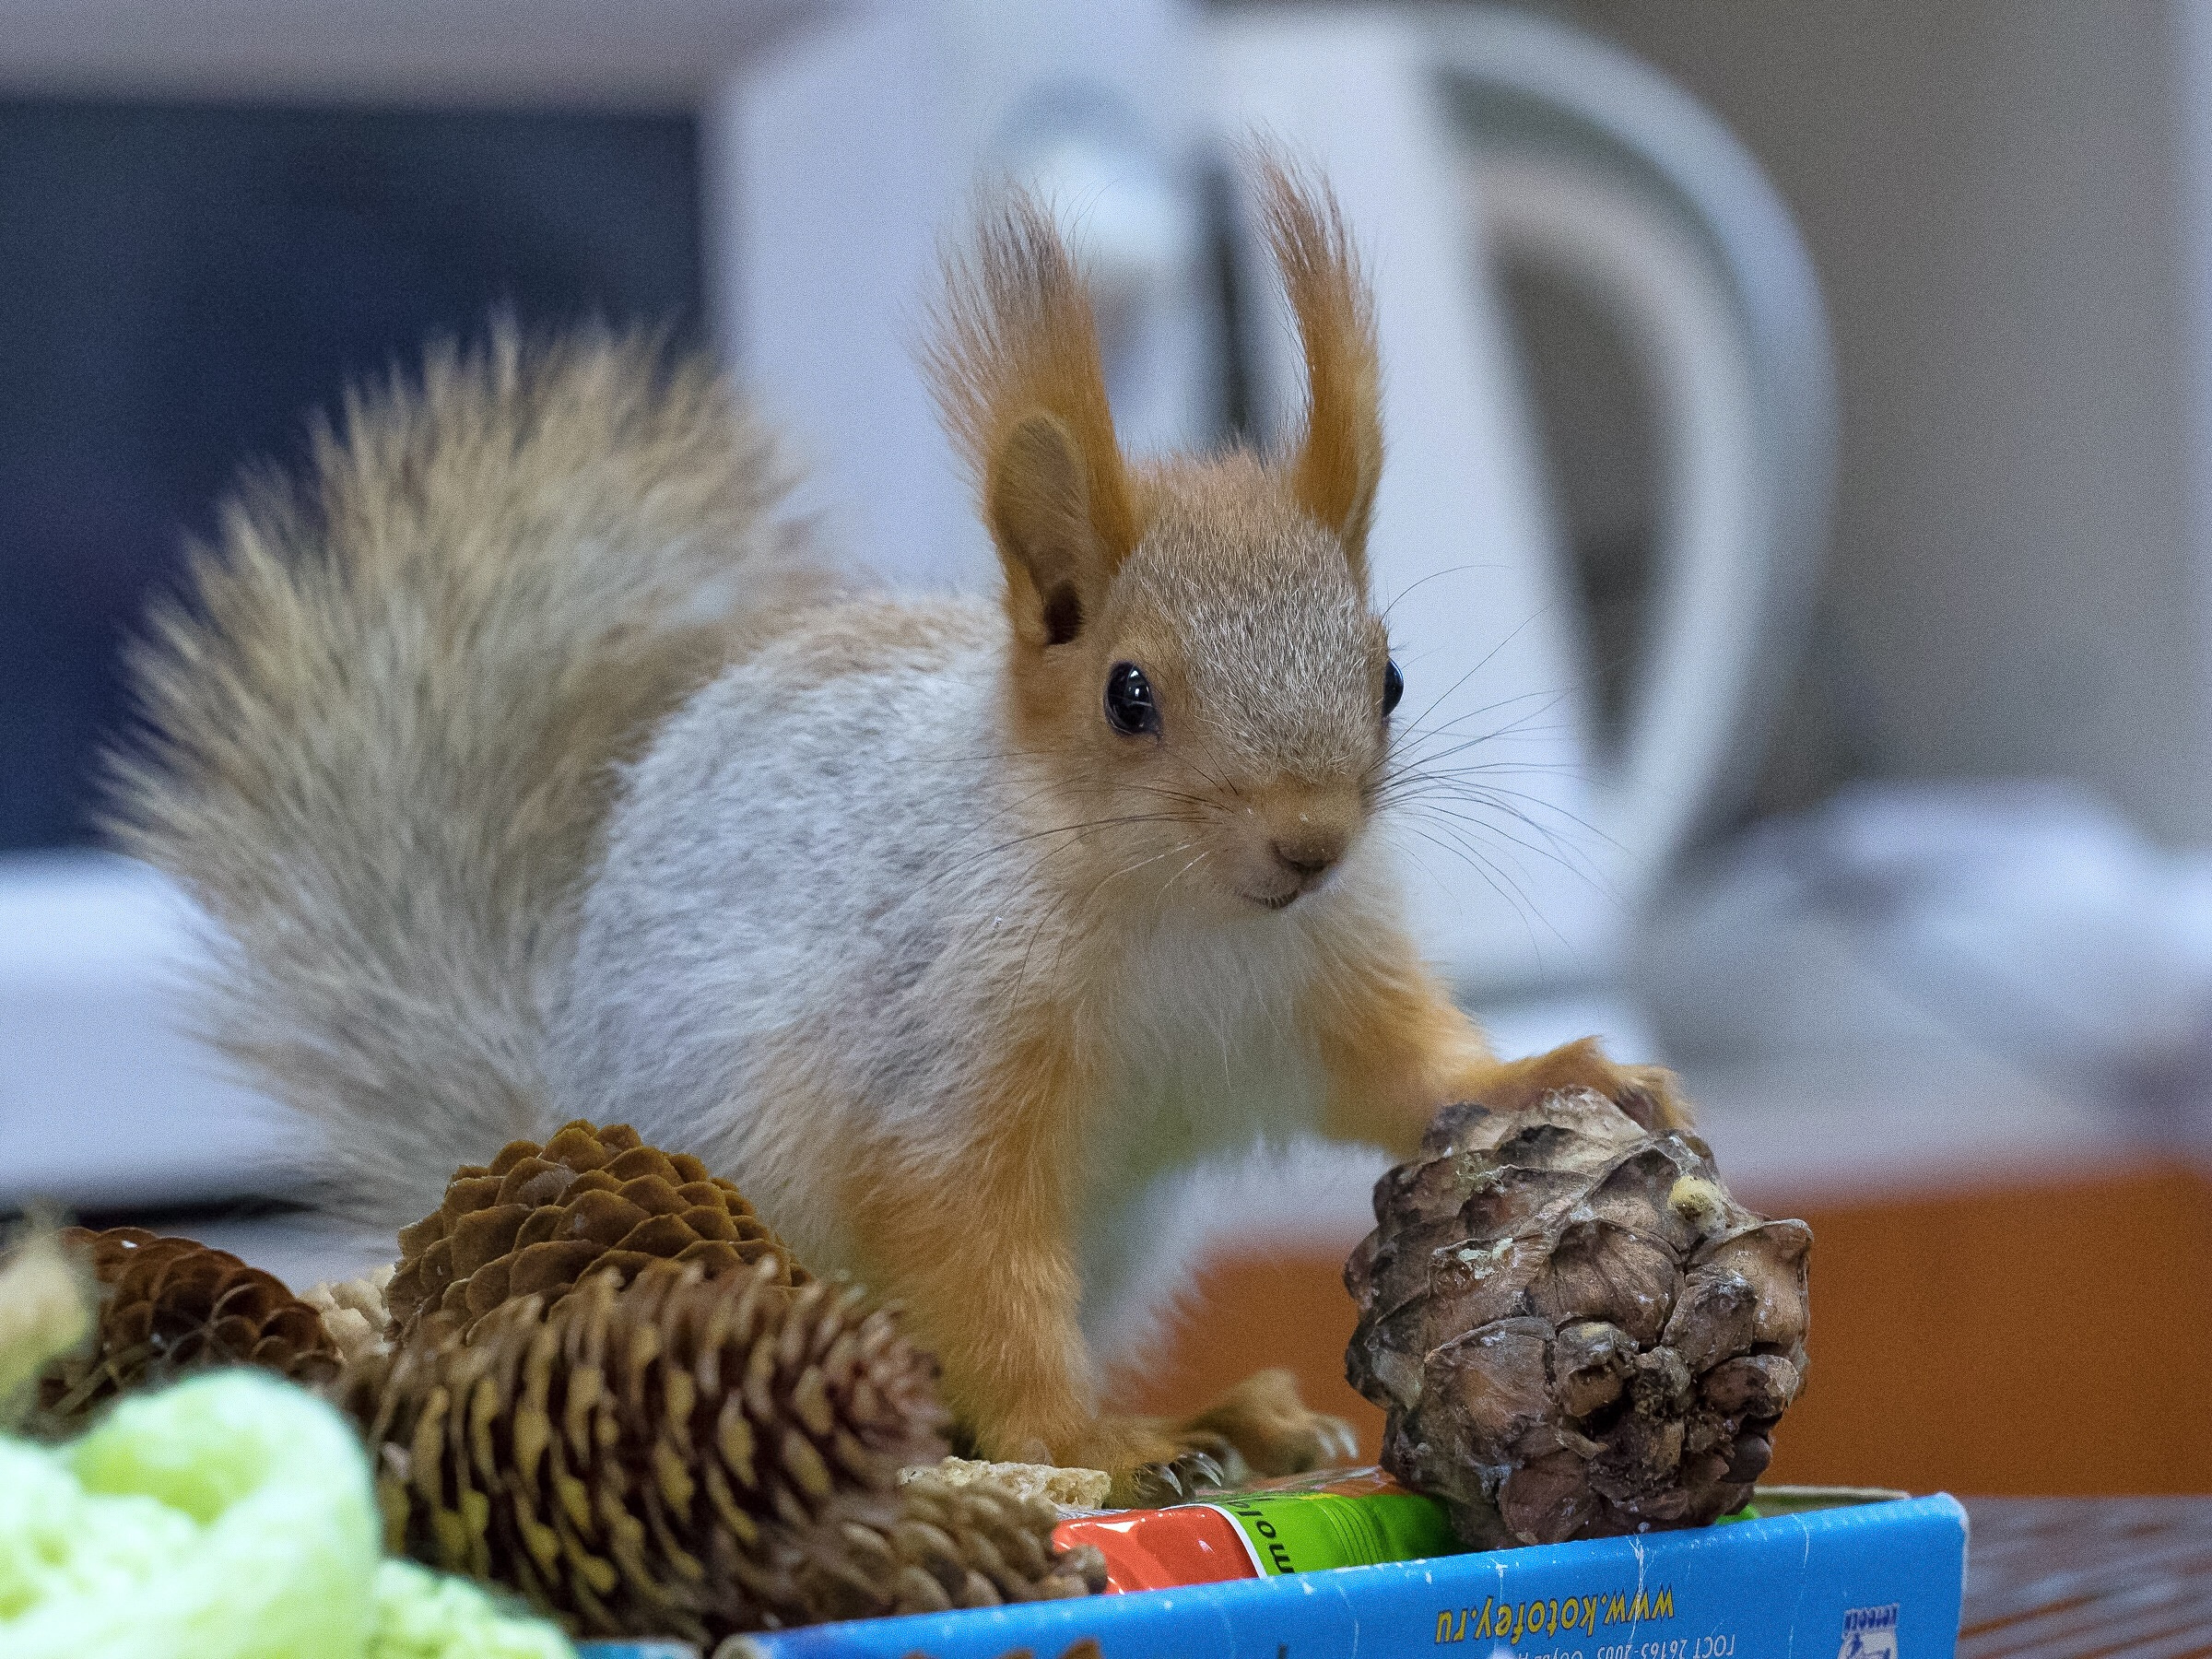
column 382, row 730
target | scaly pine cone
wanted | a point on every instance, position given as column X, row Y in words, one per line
column 1574, row 1329
column 936, row 1547
column 537, row 1218
column 167, row 1306
column 683, row 1455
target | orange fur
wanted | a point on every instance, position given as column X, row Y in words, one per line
column 1395, row 1048
column 1015, row 365
column 1648, row 1093
column 1338, row 461
column 984, row 1261
column 988, row 1277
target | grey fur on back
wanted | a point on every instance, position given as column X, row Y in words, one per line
column 383, row 732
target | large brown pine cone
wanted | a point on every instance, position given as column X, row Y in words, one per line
column 1574, row 1329
column 167, row 1306
column 537, row 1218
column 682, row 1455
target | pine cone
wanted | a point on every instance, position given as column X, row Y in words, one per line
column 167, row 1306
column 1574, row 1329
column 938, row 1546
column 537, row 1218
column 677, row 1456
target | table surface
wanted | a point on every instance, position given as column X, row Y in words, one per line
column 2081, row 1578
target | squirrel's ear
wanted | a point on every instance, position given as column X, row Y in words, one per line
column 1015, row 364
column 1037, row 501
column 1338, row 458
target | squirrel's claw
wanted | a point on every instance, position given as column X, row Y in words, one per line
column 1195, row 1471
column 1269, row 1427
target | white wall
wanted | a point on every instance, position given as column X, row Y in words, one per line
column 1993, row 191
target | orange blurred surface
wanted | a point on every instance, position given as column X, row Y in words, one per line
column 2046, row 1339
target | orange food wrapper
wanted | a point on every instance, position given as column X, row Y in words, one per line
column 1303, row 1524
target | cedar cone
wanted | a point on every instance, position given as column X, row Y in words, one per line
column 683, row 1455
column 167, row 1306
column 1573, row 1328
column 537, row 1218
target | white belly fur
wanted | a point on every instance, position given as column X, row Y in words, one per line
column 1212, row 1061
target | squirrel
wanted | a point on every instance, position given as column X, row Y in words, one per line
column 530, row 767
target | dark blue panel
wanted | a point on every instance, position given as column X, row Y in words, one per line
column 181, row 286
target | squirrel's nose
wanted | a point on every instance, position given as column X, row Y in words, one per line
column 1309, row 855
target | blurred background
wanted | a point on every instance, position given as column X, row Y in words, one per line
column 1798, row 532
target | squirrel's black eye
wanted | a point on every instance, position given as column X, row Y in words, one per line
column 1394, row 687
column 1129, row 706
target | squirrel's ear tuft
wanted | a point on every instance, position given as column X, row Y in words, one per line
column 1337, row 459
column 1015, row 364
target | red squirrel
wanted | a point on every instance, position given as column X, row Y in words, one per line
column 532, row 769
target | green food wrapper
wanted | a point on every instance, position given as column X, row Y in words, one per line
column 1305, row 1532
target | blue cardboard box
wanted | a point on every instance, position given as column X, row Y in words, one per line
column 1864, row 1581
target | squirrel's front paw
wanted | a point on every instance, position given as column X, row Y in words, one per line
column 1153, row 1462
column 1188, row 1474
column 1649, row 1094
column 1652, row 1095
column 1274, row 1430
